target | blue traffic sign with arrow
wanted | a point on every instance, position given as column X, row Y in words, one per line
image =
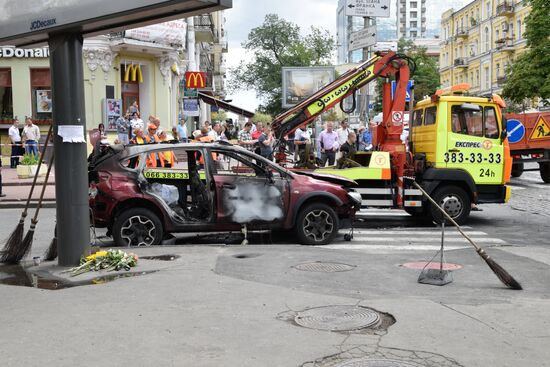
column 409, row 85
column 516, row 130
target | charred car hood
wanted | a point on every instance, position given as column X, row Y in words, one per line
column 328, row 178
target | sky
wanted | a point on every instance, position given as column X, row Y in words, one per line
column 248, row 14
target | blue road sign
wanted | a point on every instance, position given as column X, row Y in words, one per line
column 409, row 84
column 516, row 130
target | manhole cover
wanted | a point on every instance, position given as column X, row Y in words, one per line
column 324, row 267
column 337, row 318
column 377, row 363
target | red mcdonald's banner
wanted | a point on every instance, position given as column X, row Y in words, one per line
column 195, row 79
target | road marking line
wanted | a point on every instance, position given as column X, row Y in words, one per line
column 427, row 239
column 390, row 248
column 434, row 232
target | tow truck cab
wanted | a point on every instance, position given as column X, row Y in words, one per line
column 461, row 141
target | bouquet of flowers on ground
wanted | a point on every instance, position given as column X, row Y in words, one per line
column 110, row 260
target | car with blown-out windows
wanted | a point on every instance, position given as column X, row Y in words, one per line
column 142, row 193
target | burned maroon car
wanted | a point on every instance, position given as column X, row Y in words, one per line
column 211, row 187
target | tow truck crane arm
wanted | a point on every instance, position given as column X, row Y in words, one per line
column 383, row 64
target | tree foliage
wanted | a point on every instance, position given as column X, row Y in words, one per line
column 274, row 44
column 529, row 75
column 262, row 117
column 221, row 115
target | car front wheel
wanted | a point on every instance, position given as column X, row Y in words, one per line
column 137, row 227
column 317, row 224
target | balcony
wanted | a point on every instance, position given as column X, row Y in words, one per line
column 501, row 80
column 461, row 62
column 204, row 29
column 461, row 32
column 504, row 44
column 505, row 9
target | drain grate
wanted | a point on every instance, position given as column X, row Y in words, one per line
column 161, row 257
column 324, row 267
column 377, row 363
column 338, row 318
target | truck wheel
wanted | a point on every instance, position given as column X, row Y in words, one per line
column 137, row 227
column 517, row 169
column 545, row 171
column 317, row 224
column 454, row 200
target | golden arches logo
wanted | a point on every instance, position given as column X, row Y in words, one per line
column 133, row 73
column 195, row 79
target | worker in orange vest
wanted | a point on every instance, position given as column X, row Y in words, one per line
column 168, row 156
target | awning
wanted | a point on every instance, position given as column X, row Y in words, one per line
column 224, row 105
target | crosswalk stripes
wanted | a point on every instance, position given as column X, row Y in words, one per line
column 411, row 239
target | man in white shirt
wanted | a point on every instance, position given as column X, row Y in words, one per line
column 343, row 132
column 301, row 139
column 31, row 133
column 15, row 139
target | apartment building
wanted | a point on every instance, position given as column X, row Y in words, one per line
column 480, row 41
column 411, row 19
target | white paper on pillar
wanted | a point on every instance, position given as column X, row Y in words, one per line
column 71, row 133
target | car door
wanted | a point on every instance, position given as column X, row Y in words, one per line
column 474, row 142
column 248, row 189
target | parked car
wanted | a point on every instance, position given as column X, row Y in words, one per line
column 211, row 187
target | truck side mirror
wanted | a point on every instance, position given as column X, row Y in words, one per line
column 504, row 132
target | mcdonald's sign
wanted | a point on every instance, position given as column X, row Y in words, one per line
column 133, row 73
column 195, row 79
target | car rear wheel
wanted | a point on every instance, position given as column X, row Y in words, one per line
column 317, row 224
column 137, row 227
column 454, row 201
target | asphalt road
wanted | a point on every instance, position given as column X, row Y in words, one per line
column 223, row 304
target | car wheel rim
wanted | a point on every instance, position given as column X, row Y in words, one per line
column 138, row 231
column 318, row 225
column 452, row 205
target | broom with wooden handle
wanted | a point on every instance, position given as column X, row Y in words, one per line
column 10, row 252
column 499, row 271
column 27, row 241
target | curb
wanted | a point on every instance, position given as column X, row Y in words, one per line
column 15, row 183
column 21, row 204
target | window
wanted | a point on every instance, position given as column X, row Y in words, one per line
column 488, row 6
column 486, row 44
column 467, row 121
column 498, row 69
column 519, row 29
column 497, row 35
column 472, row 78
column 414, row 24
column 430, row 116
column 414, row 14
column 414, row 34
column 414, row 4
column 41, row 97
column 487, row 80
column 491, row 124
column 6, row 98
column 417, row 117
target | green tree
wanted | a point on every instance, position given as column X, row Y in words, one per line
column 425, row 73
column 262, row 117
column 274, row 44
column 221, row 115
column 529, row 75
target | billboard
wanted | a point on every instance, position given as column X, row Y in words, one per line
column 167, row 33
column 25, row 22
column 301, row 82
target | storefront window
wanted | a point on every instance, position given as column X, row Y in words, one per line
column 130, row 85
column 6, row 99
column 41, row 94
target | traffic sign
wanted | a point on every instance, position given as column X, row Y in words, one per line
column 368, row 8
column 516, row 130
column 363, row 38
column 409, row 86
column 541, row 130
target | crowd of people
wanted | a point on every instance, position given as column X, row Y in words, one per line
column 330, row 145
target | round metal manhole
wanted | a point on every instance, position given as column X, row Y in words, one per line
column 338, row 318
column 324, row 267
column 378, row 363
column 432, row 265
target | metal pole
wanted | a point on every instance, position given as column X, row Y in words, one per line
column 71, row 173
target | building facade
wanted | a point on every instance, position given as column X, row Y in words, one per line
column 411, row 19
column 146, row 65
column 480, row 41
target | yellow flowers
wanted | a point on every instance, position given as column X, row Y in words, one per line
column 96, row 255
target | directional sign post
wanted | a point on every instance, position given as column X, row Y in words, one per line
column 363, row 38
column 516, row 130
column 368, row 8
